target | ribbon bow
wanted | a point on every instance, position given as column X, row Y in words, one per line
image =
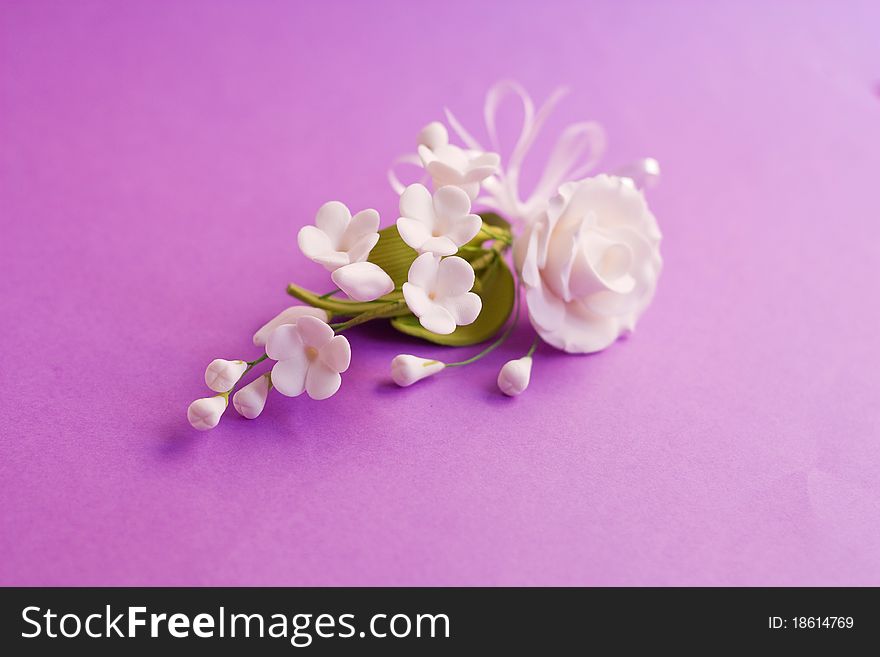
column 577, row 150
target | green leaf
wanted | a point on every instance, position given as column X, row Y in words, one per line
column 393, row 255
column 496, row 288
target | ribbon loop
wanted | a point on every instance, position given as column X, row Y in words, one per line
column 576, row 152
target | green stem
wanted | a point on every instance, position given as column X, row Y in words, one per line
column 386, row 310
column 251, row 364
column 498, row 234
column 484, row 260
column 533, row 347
column 329, row 294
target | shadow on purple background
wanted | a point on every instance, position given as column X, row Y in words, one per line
column 156, row 161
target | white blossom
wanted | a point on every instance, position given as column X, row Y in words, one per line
column 438, row 224
column 310, row 358
column 287, row 316
column 448, row 164
column 437, row 292
column 590, row 263
column 338, row 239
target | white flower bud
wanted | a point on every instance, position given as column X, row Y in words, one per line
column 433, row 135
column 250, row 400
column 407, row 369
column 363, row 281
column 514, row 376
column 222, row 375
column 205, row 413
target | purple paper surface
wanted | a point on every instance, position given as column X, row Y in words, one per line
column 157, row 160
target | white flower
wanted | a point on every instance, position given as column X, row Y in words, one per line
column 310, row 358
column 437, row 293
column 363, row 281
column 339, row 239
column 438, row 224
column 287, row 316
column 222, row 375
column 514, row 376
column 205, row 413
column 450, row 165
column 250, row 400
column 406, row 369
column 590, row 263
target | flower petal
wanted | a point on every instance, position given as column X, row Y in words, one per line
column 286, row 316
column 454, row 276
column 415, row 203
column 439, row 246
column 416, row 299
column 438, row 320
column 582, row 331
column 463, row 230
column 545, row 310
column 451, row 203
column 333, row 218
column 333, row 260
column 284, row 342
column 423, row 271
column 336, row 354
column 413, row 231
column 443, row 175
column 453, row 157
column 363, row 223
column 361, row 249
column 313, row 332
column 478, row 174
column 363, row 281
column 464, row 308
column 313, row 242
column 433, row 135
column 426, row 155
column 321, row 381
column 289, row 376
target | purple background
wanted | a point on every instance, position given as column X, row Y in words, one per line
column 156, row 161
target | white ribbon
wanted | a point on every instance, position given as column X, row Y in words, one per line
column 577, row 150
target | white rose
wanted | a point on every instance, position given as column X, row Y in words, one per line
column 590, row 263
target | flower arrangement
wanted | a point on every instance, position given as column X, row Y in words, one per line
column 585, row 261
